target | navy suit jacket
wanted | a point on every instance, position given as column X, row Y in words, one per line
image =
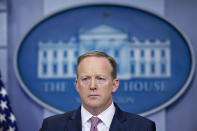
column 122, row 121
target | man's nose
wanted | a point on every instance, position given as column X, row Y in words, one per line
column 93, row 84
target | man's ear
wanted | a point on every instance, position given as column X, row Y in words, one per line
column 76, row 85
column 115, row 85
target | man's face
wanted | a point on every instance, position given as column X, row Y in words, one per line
column 95, row 84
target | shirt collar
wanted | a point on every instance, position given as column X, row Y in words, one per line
column 106, row 116
column 85, row 115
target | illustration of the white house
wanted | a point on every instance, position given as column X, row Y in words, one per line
column 135, row 58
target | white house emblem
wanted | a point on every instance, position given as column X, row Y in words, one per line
column 155, row 60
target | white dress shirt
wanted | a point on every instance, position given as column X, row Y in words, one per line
column 105, row 117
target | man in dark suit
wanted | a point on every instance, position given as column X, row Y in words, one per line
column 96, row 82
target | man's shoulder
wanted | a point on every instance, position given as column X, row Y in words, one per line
column 137, row 118
column 58, row 122
column 134, row 118
column 134, row 121
column 61, row 117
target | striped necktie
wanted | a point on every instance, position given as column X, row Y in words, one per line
column 94, row 123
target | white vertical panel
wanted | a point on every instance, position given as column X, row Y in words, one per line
column 3, row 64
column 3, row 29
column 3, row 40
column 156, row 6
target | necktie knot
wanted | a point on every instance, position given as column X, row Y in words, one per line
column 94, row 123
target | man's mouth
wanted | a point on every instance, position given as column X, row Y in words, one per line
column 93, row 95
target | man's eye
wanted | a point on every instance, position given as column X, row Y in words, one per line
column 100, row 78
column 84, row 79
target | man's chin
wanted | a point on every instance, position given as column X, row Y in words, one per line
column 94, row 104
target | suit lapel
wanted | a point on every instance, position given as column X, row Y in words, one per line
column 74, row 122
column 118, row 120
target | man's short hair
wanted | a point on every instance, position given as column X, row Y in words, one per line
column 99, row 54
